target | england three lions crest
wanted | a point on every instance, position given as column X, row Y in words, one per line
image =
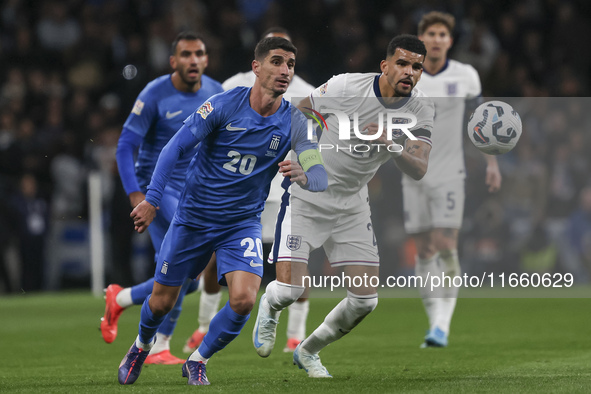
column 294, row 242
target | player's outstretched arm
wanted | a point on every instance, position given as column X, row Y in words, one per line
column 414, row 159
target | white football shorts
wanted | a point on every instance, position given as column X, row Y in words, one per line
column 428, row 207
column 348, row 238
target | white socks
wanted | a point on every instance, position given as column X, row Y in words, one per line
column 196, row 356
column 450, row 265
column 162, row 343
column 425, row 268
column 340, row 321
column 439, row 304
column 296, row 322
column 144, row 346
column 208, row 307
column 281, row 295
column 123, row 298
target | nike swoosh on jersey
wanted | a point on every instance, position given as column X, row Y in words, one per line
column 170, row 115
column 230, row 128
column 255, row 265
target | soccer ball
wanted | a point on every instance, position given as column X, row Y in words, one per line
column 494, row 127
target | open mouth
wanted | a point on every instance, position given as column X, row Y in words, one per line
column 405, row 83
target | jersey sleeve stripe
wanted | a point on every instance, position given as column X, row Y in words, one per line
column 424, row 139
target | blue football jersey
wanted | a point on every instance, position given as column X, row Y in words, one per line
column 157, row 115
column 230, row 175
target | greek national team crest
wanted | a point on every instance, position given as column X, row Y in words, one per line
column 205, row 110
column 294, row 242
column 273, row 146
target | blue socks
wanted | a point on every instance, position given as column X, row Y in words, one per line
column 169, row 323
column 141, row 291
column 148, row 322
column 140, row 294
column 224, row 327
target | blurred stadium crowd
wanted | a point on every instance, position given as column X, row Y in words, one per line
column 64, row 98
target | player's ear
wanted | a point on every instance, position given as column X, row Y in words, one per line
column 384, row 67
column 172, row 61
column 256, row 66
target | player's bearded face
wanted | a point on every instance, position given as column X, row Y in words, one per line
column 190, row 60
column 403, row 70
column 276, row 71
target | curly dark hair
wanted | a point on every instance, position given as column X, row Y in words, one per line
column 408, row 42
column 267, row 44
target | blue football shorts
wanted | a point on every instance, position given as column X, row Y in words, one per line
column 164, row 215
column 186, row 250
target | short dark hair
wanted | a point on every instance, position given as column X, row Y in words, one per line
column 268, row 44
column 276, row 30
column 408, row 42
column 185, row 35
column 435, row 17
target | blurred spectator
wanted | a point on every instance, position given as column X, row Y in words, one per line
column 56, row 29
column 6, row 226
column 539, row 254
column 479, row 46
column 10, row 152
column 31, row 213
column 68, row 178
column 524, row 192
column 15, row 87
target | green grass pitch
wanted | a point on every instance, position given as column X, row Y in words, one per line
column 50, row 343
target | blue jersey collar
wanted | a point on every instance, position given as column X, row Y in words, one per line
column 440, row 71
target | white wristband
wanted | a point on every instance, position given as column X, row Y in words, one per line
column 395, row 150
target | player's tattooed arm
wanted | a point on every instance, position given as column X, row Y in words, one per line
column 412, row 149
column 414, row 159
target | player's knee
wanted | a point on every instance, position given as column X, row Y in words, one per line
column 362, row 306
column 242, row 303
column 445, row 239
column 426, row 250
column 160, row 306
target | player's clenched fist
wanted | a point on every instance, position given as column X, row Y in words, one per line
column 293, row 170
column 142, row 216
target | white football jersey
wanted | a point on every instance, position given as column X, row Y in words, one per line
column 449, row 89
column 356, row 161
column 298, row 88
